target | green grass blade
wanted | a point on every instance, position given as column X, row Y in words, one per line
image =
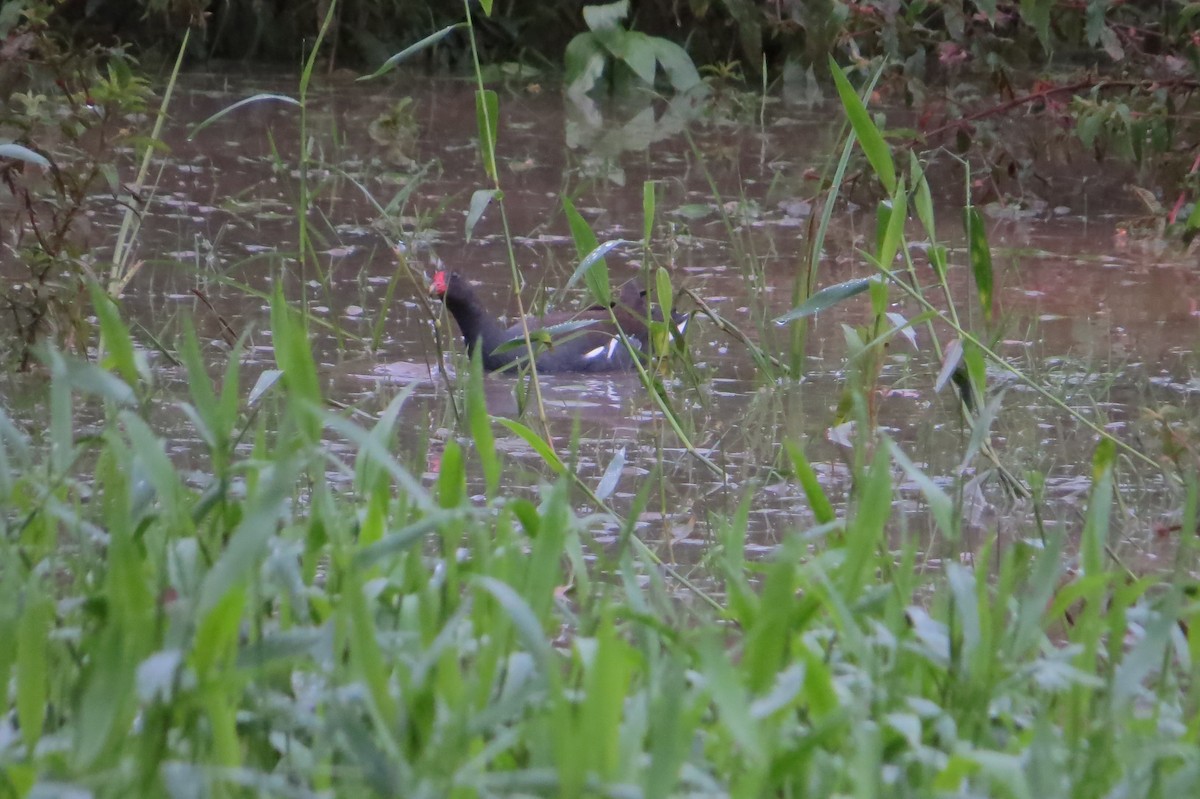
column 824, row 299
column 869, row 138
column 480, row 200
column 294, row 357
column 822, row 508
column 612, row 475
column 941, row 506
column 1099, row 512
column 114, row 335
column 649, row 202
column 247, row 545
column 524, row 621
column 487, row 118
column 33, row 665
column 981, row 259
column 452, row 476
column 592, row 266
column 922, row 197
column 894, row 231
column 480, row 425
column 537, row 442
column 413, row 49
column 671, row 730
column 664, row 293
column 19, row 152
column 865, row 529
column 229, row 109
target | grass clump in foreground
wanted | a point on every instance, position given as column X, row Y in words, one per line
column 259, row 633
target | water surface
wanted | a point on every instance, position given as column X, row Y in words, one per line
column 1106, row 322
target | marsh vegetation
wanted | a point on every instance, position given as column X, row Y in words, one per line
column 909, row 510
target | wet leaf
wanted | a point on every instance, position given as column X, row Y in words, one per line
column 1036, row 14
column 115, row 335
column 822, row 508
column 825, row 298
column 583, row 63
column 937, row 259
column 783, row 693
column 452, row 477
column 922, row 199
column 904, row 327
column 894, row 232
column 612, row 475
column 403, row 539
column 204, row 400
column 869, row 137
column 981, row 259
column 671, row 731
column 15, row 441
column 595, row 272
column 523, row 619
column 88, row 379
column 283, row 647
column 1099, row 511
column 879, row 296
column 258, row 98
column 413, row 49
column 527, row 514
column 480, row 200
column 693, row 211
column 649, row 201
column 19, row 152
column 480, row 425
column 865, row 527
column 664, row 293
column 156, row 675
column 592, row 266
column 961, row 582
column 247, row 544
column 379, row 452
column 268, row 378
column 951, row 358
column 365, row 652
column 546, row 336
column 678, row 65
column 294, row 357
column 1112, row 44
column 33, row 673
column 607, row 16
column 941, row 506
column 638, row 53
column 731, row 700
column 487, row 118
column 1146, row 657
column 534, row 440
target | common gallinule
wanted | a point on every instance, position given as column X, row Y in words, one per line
column 593, row 347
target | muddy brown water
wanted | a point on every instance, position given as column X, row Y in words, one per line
column 1105, row 321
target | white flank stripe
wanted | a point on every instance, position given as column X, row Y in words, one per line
column 612, row 347
column 596, row 353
